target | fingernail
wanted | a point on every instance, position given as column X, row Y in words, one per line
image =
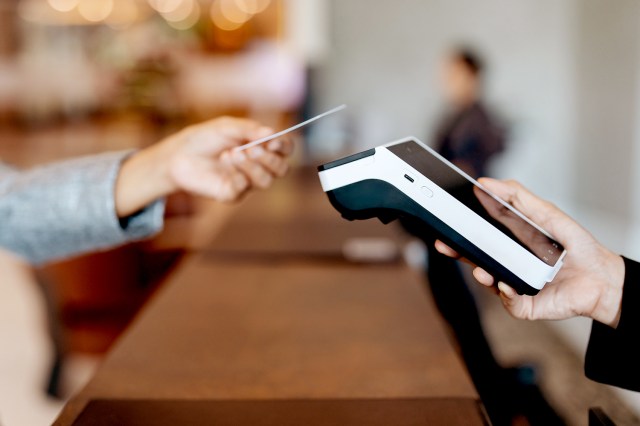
column 505, row 289
column 264, row 180
column 256, row 152
column 239, row 155
column 485, row 275
column 275, row 145
column 239, row 181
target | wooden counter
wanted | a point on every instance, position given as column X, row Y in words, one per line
column 284, row 338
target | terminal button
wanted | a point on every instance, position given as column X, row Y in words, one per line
column 426, row 191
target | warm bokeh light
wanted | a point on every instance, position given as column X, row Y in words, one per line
column 166, row 6
column 220, row 18
column 124, row 13
column 189, row 20
column 233, row 13
column 252, row 6
column 95, row 11
column 182, row 12
column 63, row 5
column 227, row 15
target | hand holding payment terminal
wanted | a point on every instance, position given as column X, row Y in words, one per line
column 406, row 178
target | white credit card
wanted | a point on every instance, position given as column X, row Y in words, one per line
column 290, row 129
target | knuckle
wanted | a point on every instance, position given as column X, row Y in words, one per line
column 270, row 159
column 513, row 183
column 266, row 182
column 228, row 194
column 284, row 169
column 277, row 164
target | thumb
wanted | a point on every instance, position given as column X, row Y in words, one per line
column 218, row 135
column 512, row 301
column 541, row 212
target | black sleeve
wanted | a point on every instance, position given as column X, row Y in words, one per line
column 613, row 355
column 475, row 140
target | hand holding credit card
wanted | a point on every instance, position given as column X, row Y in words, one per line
column 289, row 130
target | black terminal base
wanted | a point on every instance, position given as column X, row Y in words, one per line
column 373, row 198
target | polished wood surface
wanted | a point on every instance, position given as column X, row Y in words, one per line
column 235, row 325
column 294, row 219
column 336, row 412
column 267, row 332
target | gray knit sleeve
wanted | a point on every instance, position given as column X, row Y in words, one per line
column 68, row 208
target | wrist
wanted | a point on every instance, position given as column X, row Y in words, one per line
column 144, row 177
column 609, row 305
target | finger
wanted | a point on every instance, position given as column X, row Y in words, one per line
column 507, row 290
column 261, row 132
column 242, row 129
column 518, row 196
column 483, row 277
column 225, row 183
column 231, row 188
column 275, row 164
column 503, row 189
column 258, row 176
column 541, row 212
column 283, row 145
column 446, row 250
column 215, row 136
column 515, row 304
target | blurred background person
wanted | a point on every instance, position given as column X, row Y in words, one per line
column 469, row 135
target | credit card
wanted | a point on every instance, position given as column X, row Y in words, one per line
column 290, row 129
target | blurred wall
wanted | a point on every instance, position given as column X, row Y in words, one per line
column 608, row 46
